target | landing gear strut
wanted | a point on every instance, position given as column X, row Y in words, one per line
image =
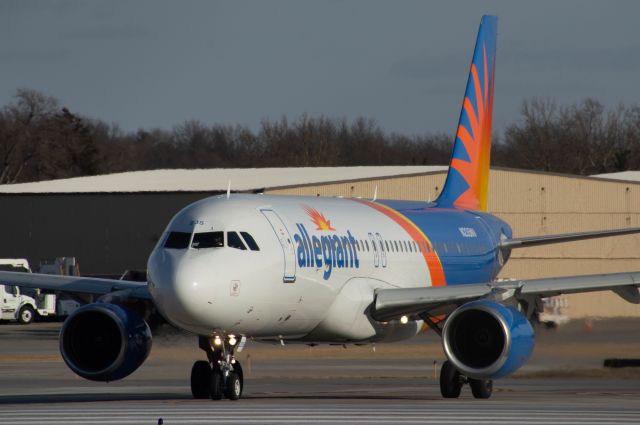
column 451, row 382
column 220, row 376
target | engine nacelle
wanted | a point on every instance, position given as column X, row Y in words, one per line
column 487, row 340
column 104, row 342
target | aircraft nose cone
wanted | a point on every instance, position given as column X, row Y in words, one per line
column 179, row 286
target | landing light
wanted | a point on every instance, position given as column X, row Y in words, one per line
column 232, row 340
column 217, row 340
column 404, row 320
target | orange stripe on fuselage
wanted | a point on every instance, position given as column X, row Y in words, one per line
column 430, row 256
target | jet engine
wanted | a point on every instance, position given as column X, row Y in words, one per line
column 104, row 342
column 487, row 340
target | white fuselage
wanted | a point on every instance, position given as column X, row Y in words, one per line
column 312, row 279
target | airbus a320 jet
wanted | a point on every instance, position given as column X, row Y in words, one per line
column 331, row 270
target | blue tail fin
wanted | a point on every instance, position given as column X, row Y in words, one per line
column 467, row 182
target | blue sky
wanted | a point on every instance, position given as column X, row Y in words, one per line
column 145, row 64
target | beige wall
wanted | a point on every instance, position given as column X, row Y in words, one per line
column 538, row 204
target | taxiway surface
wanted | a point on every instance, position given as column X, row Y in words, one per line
column 563, row 384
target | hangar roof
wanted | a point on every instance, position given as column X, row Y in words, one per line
column 214, row 179
column 632, row 176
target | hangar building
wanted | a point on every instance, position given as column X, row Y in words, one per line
column 111, row 222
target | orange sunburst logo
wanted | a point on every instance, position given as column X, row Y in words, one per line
column 316, row 217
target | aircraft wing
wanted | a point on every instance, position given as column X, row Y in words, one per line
column 76, row 284
column 395, row 303
column 564, row 237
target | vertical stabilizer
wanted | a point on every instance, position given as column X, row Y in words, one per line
column 468, row 178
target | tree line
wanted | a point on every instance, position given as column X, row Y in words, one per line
column 41, row 140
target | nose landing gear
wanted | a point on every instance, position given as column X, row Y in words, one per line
column 220, row 376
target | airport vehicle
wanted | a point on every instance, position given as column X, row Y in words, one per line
column 27, row 306
column 334, row 270
column 16, row 305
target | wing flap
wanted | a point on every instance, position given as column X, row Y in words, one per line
column 394, row 303
column 548, row 287
column 75, row 284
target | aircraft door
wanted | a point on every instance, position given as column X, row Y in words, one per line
column 286, row 243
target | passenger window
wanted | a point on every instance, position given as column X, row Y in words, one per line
column 234, row 241
column 253, row 246
column 367, row 245
column 395, row 243
column 387, row 245
column 177, row 240
column 208, row 240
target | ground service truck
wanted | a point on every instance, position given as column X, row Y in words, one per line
column 26, row 306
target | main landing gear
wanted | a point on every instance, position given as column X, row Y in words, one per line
column 220, row 376
column 451, row 382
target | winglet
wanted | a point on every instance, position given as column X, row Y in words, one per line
column 467, row 182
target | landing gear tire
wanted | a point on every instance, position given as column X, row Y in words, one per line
column 216, row 389
column 450, row 381
column 233, row 386
column 26, row 315
column 201, row 379
column 481, row 388
column 237, row 368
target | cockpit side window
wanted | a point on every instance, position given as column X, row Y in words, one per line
column 208, row 240
column 177, row 240
column 253, row 246
column 234, row 241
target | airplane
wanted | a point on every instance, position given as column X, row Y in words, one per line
column 313, row 270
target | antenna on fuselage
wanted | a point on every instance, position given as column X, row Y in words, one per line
column 229, row 189
column 375, row 194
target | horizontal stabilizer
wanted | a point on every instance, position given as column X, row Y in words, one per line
column 565, row 237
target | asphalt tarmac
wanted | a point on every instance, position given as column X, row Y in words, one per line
column 564, row 383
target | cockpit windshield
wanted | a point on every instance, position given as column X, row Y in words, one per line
column 250, row 241
column 208, row 240
column 177, row 240
column 234, row 241
column 180, row 240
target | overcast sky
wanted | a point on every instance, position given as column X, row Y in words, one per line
column 144, row 64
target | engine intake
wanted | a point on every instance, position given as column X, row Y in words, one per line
column 487, row 340
column 104, row 342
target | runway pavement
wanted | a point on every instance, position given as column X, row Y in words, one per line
column 281, row 413
column 348, row 402
column 564, row 384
